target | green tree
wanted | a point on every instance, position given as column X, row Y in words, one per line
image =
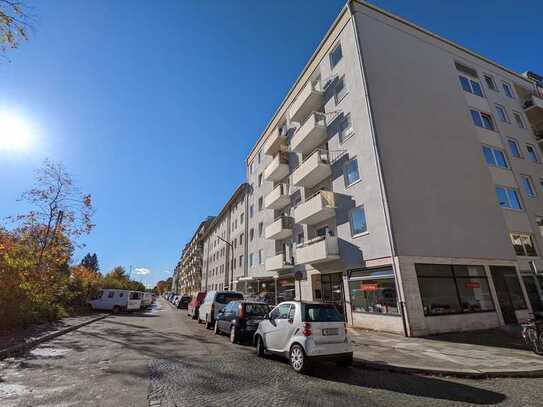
column 90, row 261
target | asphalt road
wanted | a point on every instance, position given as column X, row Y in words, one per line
column 162, row 358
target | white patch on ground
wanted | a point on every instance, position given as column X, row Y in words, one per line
column 48, row 352
column 8, row 391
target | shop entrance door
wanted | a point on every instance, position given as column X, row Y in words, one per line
column 502, row 278
column 332, row 290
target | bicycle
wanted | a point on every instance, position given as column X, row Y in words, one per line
column 532, row 332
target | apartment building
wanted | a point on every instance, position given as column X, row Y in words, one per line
column 189, row 269
column 401, row 179
column 225, row 244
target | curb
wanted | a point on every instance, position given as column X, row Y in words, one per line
column 20, row 347
column 465, row 374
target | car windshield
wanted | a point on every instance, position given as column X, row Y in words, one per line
column 321, row 313
column 256, row 309
column 227, row 297
column 134, row 296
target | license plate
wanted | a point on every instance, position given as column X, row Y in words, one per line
column 330, row 331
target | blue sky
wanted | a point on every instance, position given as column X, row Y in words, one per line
column 154, row 105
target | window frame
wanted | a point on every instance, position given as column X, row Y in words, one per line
column 494, row 151
column 503, row 110
column 480, row 122
column 365, row 231
column 536, row 159
column 507, row 194
column 519, row 120
column 336, row 47
column 470, row 88
column 489, row 79
column 527, row 236
column 510, row 141
column 508, row 89
column 347, row 132
column 345, row 165
column 337, row 99
column 527, row 183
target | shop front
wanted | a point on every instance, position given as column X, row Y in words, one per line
column 271, row 291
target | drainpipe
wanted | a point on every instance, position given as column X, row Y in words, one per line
column 382, row 188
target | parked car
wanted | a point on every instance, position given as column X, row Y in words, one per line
column 214, row 301
column 114, row 300
column 304, row 332
column 240, row 319
column 183, row 301
column 194, row 305
column 176, row 299
column 147, row 300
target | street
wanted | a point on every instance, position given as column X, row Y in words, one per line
column 161, row 357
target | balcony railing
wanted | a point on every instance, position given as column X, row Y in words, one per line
column 316, row 209
column 309, row 99
column 277, row 169
column 278, row 198
column 281, row 228
column 277, row 141
column 312, row 170
column 310, row 135
column 318, row 250
column 279, row 262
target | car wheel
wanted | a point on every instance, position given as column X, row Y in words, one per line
column 297, row 358
column 216, row 328
column 116, row 309
column 233, row 335
column 260, row 349
column 348, row 361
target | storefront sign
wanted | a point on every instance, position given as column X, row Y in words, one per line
column 369, row 287
column 472, row 284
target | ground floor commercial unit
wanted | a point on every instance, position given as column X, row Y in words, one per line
column 421, row 296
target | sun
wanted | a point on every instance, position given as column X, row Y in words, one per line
column 16, row 133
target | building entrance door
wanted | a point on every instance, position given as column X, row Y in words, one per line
column 507, row 290
column 332, row 290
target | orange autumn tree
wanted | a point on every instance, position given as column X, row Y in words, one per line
column 35, row 255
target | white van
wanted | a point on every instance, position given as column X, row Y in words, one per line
column 109, row 299
column 213, row 303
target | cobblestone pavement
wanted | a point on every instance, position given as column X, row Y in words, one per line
column 164, row 359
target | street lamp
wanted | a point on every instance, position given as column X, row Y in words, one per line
column 231, row 268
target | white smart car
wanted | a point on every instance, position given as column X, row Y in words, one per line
column 304, row 332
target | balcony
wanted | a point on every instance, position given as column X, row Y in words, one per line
column 278, row 262
column 316, row 209
column 310, row 135
column 277, row 169
column 533, row 107
column 312, row 170
column 276, row 142
column 281, row 228
column 278, row 198
column 318, row 250
column 310, row 99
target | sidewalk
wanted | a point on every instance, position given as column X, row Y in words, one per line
column 22, row 339
column 445, row 355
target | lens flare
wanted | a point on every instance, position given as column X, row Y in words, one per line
column 16, row 133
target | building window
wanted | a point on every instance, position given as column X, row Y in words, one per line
column 448, row 289
column 350, row 172
column 528, row 186
column 471, row 86
column 259, row 156
column 518, row 119
column 532, row 153
column 373, row 291
column 260, row 229
column 340, row 90
column 507, row 89
column 260, row 179
column 483, row 120
column 241, row 219
column 514, row 148
column 241, row 260
column 260, row 257
column 345, row 127
column 502, row 113
column 241, row 239
column 251, row 211
column 490, row 82
column 250, row 259
column 508, row 198
column 541, row 184
column 358, row 221
column 251, row 167
column 335, row 56
column 260, row 203
column 251, row 234
column 523, row 244
column 495, row 157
